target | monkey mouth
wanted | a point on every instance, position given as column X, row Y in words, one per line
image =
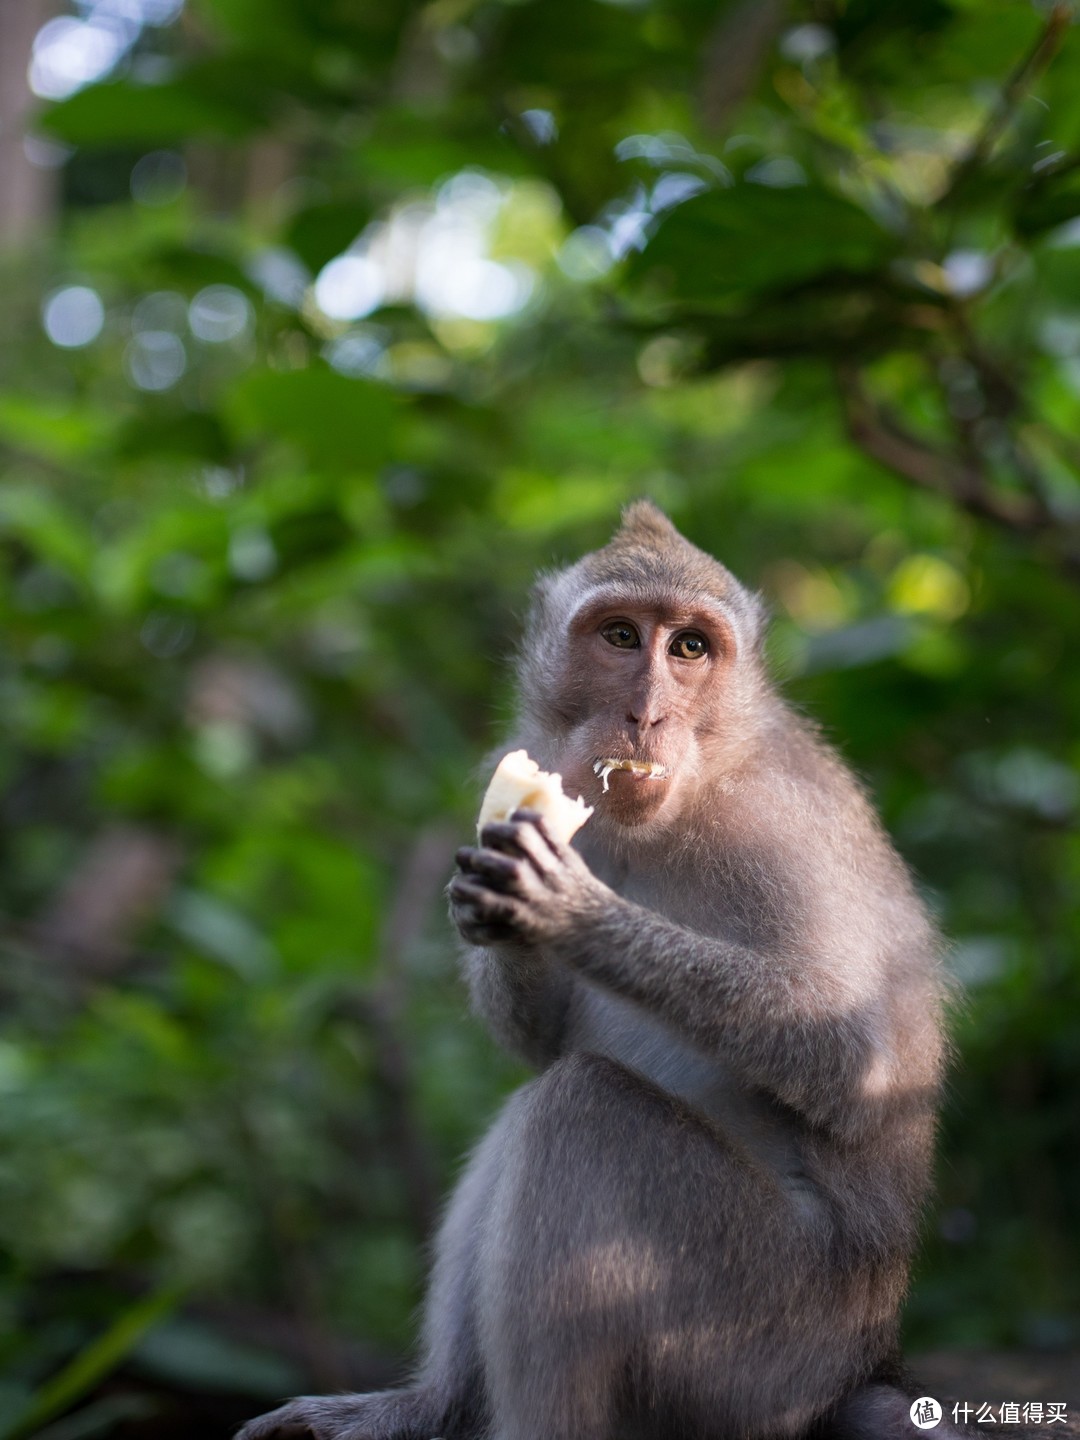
column 645, row 769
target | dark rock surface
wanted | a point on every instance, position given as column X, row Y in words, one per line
column 975, row 1377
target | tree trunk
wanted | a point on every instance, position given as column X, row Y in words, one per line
column 27, row 192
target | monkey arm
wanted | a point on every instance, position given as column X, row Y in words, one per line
column 766, row 1015
column 795, row 1025
column 523, row 997
column 522, row 994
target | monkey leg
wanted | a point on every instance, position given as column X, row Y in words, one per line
column 447, row 1398
column 873, row 1412
column 642, row 1275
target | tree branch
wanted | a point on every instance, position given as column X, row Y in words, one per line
column 880, row 436
column 382, row 1011
column 1016, row 87
column 734, row 55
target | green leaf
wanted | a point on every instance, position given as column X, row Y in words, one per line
column 1046, row 205
column 270, row 24
column 47, row 528
column 54, row 429
column 191, row 268
column 98, row 1359
column 338, row 423
column 751, row 238
column 189, row 434
column 221, row 930
column 320, row 232
column 123, row 112
column 197, row 1357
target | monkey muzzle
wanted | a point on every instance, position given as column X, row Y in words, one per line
column 646, row 769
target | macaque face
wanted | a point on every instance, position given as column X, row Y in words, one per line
column 645, row 686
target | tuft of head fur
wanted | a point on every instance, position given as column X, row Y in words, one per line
column 642, row 521
column 648, row 552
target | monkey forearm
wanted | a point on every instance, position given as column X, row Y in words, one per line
column 771, row 1016
column 785, row 1019
column 523, row 997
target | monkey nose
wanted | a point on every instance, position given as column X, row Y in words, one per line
column 645, row 720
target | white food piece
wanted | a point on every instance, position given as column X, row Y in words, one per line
column 603, row 767
column 520, row 784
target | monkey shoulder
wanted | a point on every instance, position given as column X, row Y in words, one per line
column 800, row 813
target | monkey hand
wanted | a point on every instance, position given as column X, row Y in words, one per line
column 521, row 883
column 311, row 1417
column 343, row 1417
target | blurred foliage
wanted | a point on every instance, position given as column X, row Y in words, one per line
column 808, row 276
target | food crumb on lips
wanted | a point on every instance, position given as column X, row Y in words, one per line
column 647, row 769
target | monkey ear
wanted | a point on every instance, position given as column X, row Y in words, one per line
column 645, row 523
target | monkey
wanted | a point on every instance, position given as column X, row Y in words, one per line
column 697, row 1220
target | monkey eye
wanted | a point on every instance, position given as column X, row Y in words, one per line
column 621, row 634
column 689, row 646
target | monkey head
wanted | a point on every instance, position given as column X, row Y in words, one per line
column 639, row 665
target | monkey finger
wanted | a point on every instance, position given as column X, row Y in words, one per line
column 501, row 835
column 538, row 822
column 290, row 1422
column 525, row 814
column 488, row 905
column 313, row 1417
column 519, row 837
column 502, row 872
column 467, row 855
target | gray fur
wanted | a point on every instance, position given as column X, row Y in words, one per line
column 698, row 1219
